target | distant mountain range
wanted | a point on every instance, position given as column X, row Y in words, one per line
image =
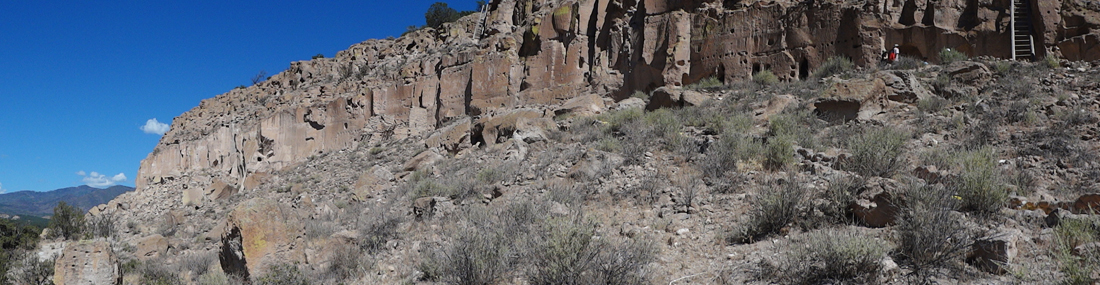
column 41, row 204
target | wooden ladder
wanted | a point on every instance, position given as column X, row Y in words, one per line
column 1023, row 43
column 481, row 22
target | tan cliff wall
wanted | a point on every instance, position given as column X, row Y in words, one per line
column 545, row 52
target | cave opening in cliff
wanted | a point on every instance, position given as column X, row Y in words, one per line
column 731, row 4
column 804, row 69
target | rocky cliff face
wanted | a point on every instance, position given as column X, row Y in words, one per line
column 546, row 52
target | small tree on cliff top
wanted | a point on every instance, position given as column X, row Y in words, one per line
column 67, row 221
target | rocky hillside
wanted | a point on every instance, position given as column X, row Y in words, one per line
column 626, row 142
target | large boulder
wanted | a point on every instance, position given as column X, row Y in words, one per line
column 259, row 233
column 876, row 204
column 220, row 190
column 994, row 253
column 499, row 128
column 90, row 262
column 151, row 246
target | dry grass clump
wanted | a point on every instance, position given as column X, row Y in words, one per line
column 1078, row 263
column 832, row 256
column 774, row 210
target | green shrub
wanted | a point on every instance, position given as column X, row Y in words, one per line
column 482, row 251
column 565, row 252
column 928, row 235
column 765, row 77
column 14, row 236
column 346, row 262
column 158, row 272
column 979, row 183
column 1051, row 61
column 640, row 95
column 906, row 63
column 876, row 152
column 773, row 211
column 833, row 65
column 1077, row 267
column 67, row 221
column 932, row 105
column 283, row 274
column 376, row 228
column 947, row 56
column 722, row 156
column 490, row 246
column 799, row 126
column 568, row 252
column 439, row 13
column 1001, row 67
column 778, row 153
column 609, row 144
column 102, row 225
column 318, row 56
column 705, row 83
column 834, row 256
column 837, row 198
column 35, row 271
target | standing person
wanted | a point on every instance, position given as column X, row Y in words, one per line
column 894, row 53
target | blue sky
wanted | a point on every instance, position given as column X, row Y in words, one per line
column 78, row 79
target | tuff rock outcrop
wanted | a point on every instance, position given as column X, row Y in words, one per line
column 535, row 53
column 87, row 262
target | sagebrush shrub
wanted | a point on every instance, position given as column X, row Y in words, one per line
column 833, row 65
column 980, row 183
column 779, row 153
column 705, row 83
column 834, row 256
column 876, row 152
column 928, row 234
column 765, row 77
column 947, row 56
column 773, row 210
column 283, row 274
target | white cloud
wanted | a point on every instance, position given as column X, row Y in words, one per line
column 2, row 190
column 95, row 179
column 152, row 126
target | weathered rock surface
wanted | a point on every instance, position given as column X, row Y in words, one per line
column 151, row 246
column 259, row 233
column 995, row 253
column 89, row 262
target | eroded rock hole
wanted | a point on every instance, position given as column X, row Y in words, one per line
column 837, row 110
